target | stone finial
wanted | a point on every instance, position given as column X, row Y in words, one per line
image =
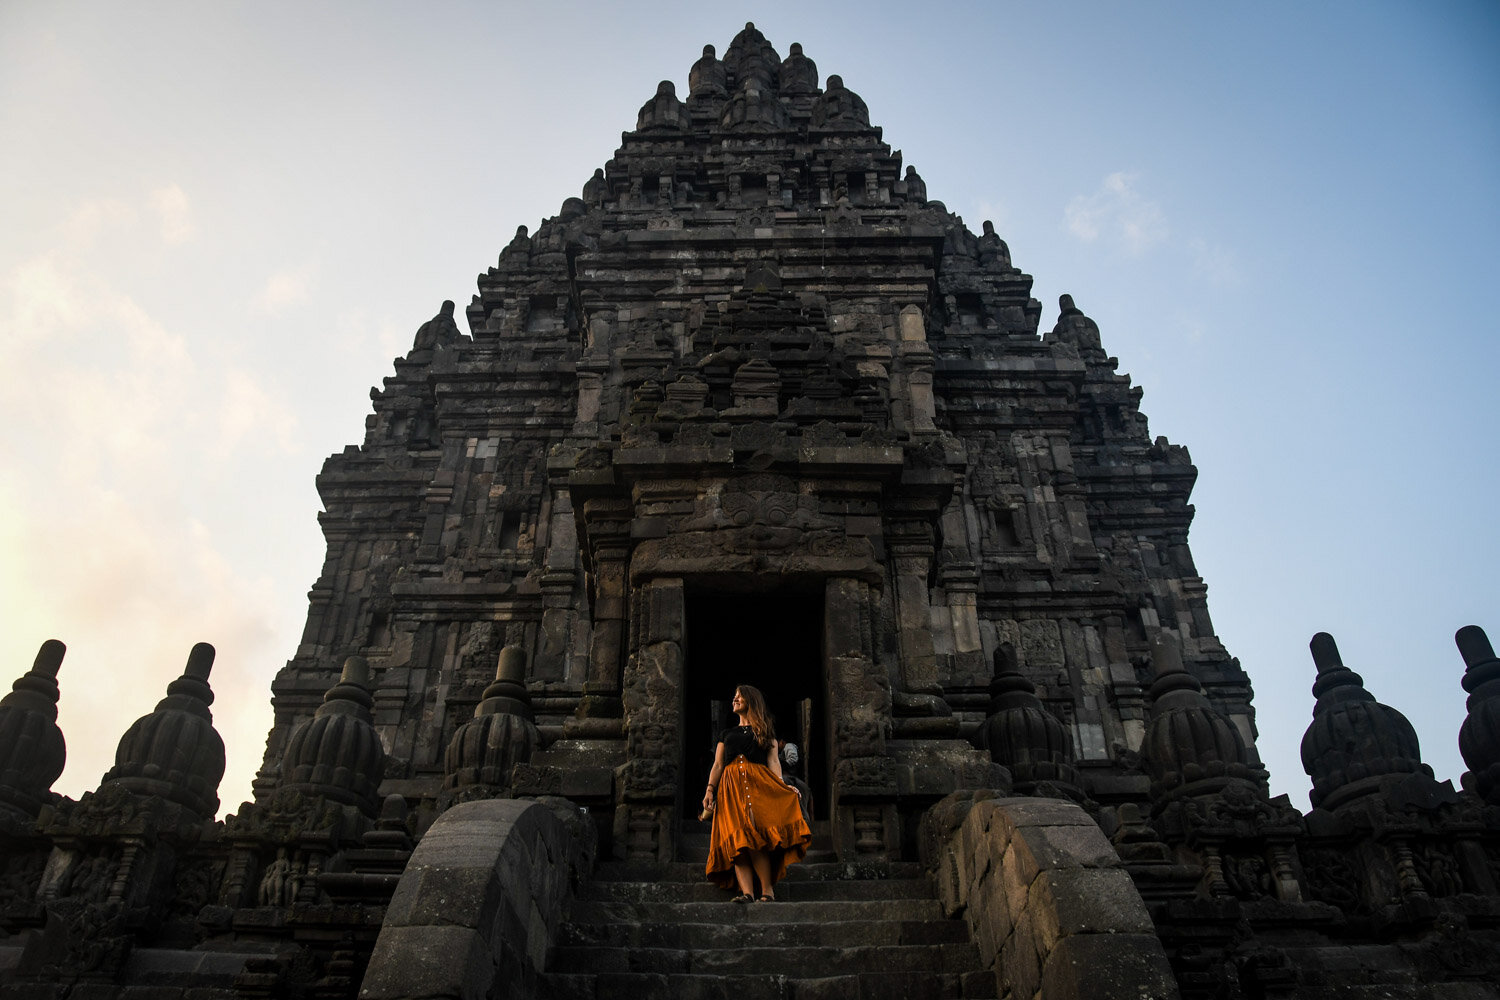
column 1189, row 749
column 992, row 249
column 1021, row 735
column 595, row 188
column 502, row 734
column 662, row 112
column 517, row 253
column 840, row 107
column 32, row 749
column 1354, row 741
column 916, row 188
column 1073, row 327
column 337, row 753
column 440, row 330
column 175, row 752
column 708, row 77
column 1479, row 737
column 799, row 74
column 753, row 61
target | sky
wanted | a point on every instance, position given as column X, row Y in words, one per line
column 219, row 223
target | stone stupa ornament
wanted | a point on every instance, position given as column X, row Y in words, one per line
column 32, row 749
column 175, row 752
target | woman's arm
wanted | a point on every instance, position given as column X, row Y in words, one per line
column 713, row 777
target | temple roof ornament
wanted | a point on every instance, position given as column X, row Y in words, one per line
column 502, row 734
column 799, row 74
column 1022, row 736
column 337, row 753
column 840, row 107
column 708, row 78
column 175, row 752
column 1354, row 741
column 1073, row 327
column 1189, row 749
column 1479, row 737
column 751, row 58
column 664, row 112
column 32, row 750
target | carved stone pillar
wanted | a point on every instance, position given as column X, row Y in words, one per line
column 608, row 525
column 649, row 787
column 911, row 548
column 555, row 647
column 859, row 705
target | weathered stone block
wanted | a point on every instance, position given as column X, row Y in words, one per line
column 435, row 962
column 1109, row 967
column 1085, row 901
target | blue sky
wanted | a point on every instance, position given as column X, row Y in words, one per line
column 219, row 224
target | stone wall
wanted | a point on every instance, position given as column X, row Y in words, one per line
column 1051, row 907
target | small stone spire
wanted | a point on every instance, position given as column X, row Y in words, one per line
column 1022, row 736
column 1189, row 749
column 1073, row 327
column 337, row 753
column 916, row 188
column 1479, row 737
column 993, row 251
column 708, row 78
column 799, row 74
column 840, row 107
column 175, row 752
column 1354, row 741
column 438, row 331
column 501, row 735
column 664, row 112
column 752, row 61
column 32, row 750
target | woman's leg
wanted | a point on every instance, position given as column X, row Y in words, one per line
column 742, row 874
column 761, row 862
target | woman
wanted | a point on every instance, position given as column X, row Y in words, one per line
column 758, row 826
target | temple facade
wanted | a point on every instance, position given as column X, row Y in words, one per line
column 755, row 409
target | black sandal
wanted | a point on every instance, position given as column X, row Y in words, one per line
column 765, row 899
column 743, row 897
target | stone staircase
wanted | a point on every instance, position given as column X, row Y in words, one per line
column 836, row 931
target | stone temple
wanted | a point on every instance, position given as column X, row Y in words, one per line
column 756, row 409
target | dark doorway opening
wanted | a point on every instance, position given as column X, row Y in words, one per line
column 770, row 640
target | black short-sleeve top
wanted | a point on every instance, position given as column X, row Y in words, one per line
column 741, row 740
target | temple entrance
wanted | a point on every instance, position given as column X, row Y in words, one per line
column 773, row 641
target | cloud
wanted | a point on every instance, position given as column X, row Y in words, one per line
column 174, row 214
column 87, row 222
column 1217, row 264
column 1117, row 212
column 286, row 287
column 249, row 411
column 108, row 415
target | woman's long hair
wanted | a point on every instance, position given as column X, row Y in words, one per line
column 756, row 715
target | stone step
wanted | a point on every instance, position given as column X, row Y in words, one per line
column 862, row 986
column 787, row 891
column 808, row 870
column 730, row 934
column 722, row 911
column 787, row 961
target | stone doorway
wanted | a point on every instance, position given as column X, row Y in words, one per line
column 773, row 641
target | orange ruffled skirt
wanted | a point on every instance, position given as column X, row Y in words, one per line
column 754, row 811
